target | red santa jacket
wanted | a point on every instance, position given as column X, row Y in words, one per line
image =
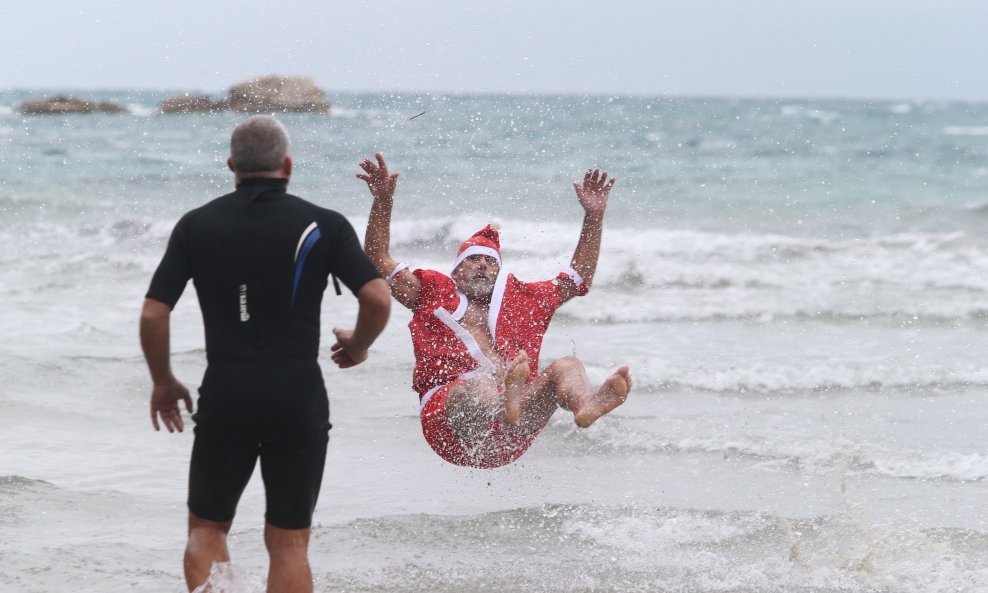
column 445, row 351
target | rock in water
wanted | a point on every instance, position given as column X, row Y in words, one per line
column 298, row 94
column 63, row 104
column 191, row 104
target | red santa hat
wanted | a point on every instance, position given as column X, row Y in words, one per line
column 486, row 241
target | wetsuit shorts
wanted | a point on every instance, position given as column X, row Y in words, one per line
column 275, row 412
column 497, row 448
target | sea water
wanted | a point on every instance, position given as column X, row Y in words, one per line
column 799, row 286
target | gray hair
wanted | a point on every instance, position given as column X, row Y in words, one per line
column 260, row 144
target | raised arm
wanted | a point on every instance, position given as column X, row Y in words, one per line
column 592, row 194
column 404, row 285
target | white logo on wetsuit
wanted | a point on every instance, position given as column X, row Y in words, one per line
column 244, row 315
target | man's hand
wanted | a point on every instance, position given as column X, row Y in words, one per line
column 343, row 354
column 594, row 191
column 379, row 181
column 164, row 402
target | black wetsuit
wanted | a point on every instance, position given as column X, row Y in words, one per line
column 260, row 260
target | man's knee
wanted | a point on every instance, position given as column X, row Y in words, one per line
column 205, row 527
column 286, row 541
column 565, row 364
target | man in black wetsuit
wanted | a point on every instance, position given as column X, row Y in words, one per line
column 260, row 259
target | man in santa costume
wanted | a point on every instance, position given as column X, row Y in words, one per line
column 477, row 333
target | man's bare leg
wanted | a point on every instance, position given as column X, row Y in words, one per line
column 566, row 382
column 562, row 381
column 207, row 544
column 288, row 550
column 611, row 394
column 472, row 405
column 527, row 406
column 515, row 389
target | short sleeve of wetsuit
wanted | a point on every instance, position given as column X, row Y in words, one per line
column 174, row 271
column 349, row 263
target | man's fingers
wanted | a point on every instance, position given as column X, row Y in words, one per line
column 381, row 163
column 342, row 360
column 611, row 183
column 603, row 178
column 363, row 177
column 154, row 420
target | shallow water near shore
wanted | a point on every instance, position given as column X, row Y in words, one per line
column 799, row 287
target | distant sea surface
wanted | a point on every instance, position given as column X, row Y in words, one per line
column 799, row 286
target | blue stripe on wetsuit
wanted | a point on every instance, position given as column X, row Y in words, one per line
column 303, row 253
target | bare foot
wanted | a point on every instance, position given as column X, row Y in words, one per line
column 611, row 394
column 514, row 388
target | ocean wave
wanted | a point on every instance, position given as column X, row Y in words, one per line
column 965, row 131
column 636, row 549
column 980, row 208
column 808, row 112
column 807, row 377
column 13, row 484
column 643, row 276
column 635, row 308
column 971, row 467
column 813, row 455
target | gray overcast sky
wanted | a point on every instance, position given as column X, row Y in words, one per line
column 906, row 49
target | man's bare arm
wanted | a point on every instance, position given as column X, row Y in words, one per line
column 352, row 345
column 167, row 391
column 404, row 285
column 593, row 194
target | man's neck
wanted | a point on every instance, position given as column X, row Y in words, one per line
column 238, row 178
column 477, row 311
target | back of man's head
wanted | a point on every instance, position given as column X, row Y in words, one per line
column 259, row 145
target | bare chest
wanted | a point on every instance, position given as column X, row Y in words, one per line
column 475, row 322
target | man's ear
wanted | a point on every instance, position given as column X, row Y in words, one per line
column 229, row 164
column 286, row 167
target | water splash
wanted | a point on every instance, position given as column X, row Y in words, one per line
column 224, row 577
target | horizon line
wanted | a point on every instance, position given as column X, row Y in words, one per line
column 463, row 93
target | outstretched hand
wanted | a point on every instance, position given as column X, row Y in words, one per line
column 379, row 181
column 344, row 355
column 164, row 402
column 594, row 191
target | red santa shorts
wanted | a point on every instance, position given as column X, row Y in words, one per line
column 497, row 448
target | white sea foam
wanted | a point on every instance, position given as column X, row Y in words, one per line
column 345, row 112
column 225, row 577
column 809, row 375
column 808, row 453
column 142, row 110
column 965, row 131
column 759, row 552
column 643, row 276
column 809, row 113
